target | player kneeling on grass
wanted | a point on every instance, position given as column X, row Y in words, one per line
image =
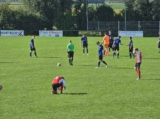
column 138, row 62
column 58, row 82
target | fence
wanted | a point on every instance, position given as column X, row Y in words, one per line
column 149, row 28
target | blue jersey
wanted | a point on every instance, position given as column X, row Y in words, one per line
column 110, row 35
column 84, row 40
column 100, row 50
column 117, row 41
column 32, row 43
column 130, row 43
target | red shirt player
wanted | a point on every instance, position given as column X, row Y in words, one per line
column 138, row 62
column 58, row 82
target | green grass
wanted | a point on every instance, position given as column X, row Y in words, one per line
column 91, row 93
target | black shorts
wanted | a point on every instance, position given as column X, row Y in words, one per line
column 55, row 86
column 137, row 65
column 85, row 45
column 131, row 49
column 33, row 49
column 115, row 48
column 100, row 57
column 70, row 54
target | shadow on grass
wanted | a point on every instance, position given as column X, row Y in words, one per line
column 123, row 67
column 75, row 93
column 152, row 79
column 6, row 62
column 50, row 57
column 151, row 58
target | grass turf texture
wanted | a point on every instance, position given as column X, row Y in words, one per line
column 91, row 93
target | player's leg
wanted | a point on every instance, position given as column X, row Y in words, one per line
column 114, row 51
column 83, row 49
column 138, row 70
column 130, row 53
column 54, row 88
column 99, row 61
column 87, row 49
column 35, row 52
column 30, row 53
column 61, row 88
column 69, row 57
column 117, row 52
column 104, row 62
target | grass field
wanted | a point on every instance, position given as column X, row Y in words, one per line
column 103, row 93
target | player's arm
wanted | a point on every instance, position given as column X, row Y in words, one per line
column 141, row 57
column 121, row 43
column 64, row 84
column 134, row 51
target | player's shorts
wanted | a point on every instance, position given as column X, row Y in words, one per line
column 137, row 65
column 85, row 45
column 70, row 54
column 100, row 57
column 116, row 48
column 106, row 45
column 55, row 86
column 33, row 49
column 131, row 49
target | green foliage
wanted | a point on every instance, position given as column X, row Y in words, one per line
column 91, row 93
column 105, row 13
column 143, row 10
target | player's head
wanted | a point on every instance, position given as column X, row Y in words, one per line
column 130, row 38
column 33, row 37
column 109, row 32
column 119, row 36
column 70, row 41
column 105, row 33
column 98, row 43
column 62, row 77
column 136, row 49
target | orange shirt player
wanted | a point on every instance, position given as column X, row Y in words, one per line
column 58, row 82
column 106, row 42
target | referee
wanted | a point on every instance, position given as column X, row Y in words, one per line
column 70, row 51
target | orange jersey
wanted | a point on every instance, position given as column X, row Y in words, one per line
column 138, row 57
column 106, row 39
column 56, row 80
column 59, row 80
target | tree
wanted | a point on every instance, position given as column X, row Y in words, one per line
column 49, row 9
column 156, row 10
column 104, row 13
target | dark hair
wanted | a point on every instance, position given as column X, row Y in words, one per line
column 97, row 42
column 130, row 37
column 136, row 48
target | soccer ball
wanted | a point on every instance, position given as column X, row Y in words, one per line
column 1, row 87
column 58, row 64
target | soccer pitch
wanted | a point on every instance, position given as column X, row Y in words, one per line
column 103, row 93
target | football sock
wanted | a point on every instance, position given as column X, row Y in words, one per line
column 139, row 73
column 87, row 51
column 114, row 54
column 30, row 54
column 35, row 54
column 130, row 54
column 99, row 64
column 109, row 49
column 83, row 51
column 69, row 61
column 104, row 62
column 117, row 55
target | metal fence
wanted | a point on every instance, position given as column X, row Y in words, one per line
column 149, row 28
